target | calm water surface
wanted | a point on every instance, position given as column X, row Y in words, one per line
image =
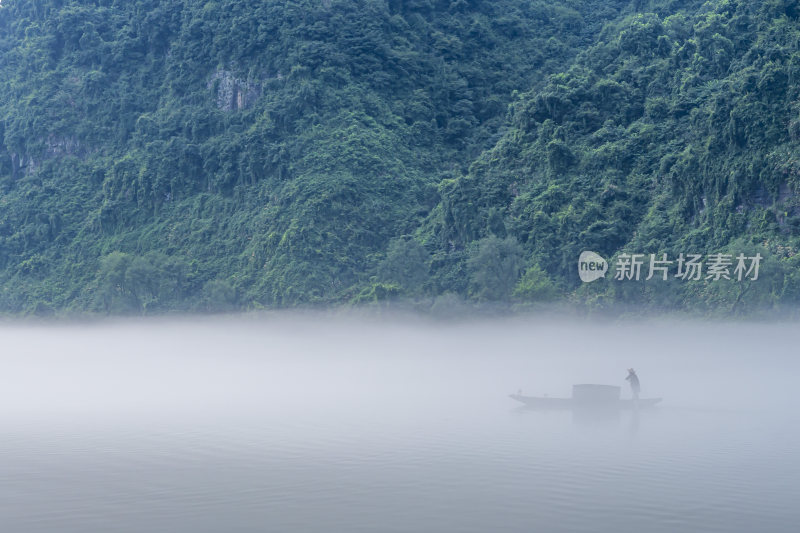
column 306, row 425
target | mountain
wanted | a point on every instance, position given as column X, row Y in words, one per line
column 675, row 133
column 190, row 155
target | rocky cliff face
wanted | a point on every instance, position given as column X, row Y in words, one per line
column 53, row 146
column 233, row 93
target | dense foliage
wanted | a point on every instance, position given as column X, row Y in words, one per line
column 215, row 155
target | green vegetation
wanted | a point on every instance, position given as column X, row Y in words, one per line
column 180, row 155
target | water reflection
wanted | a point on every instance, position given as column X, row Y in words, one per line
column 634, row 423
column 588, row 417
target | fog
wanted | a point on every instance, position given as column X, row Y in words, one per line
column 317, row 423
column 341, row 364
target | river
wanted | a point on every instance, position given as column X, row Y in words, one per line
column 317, row 423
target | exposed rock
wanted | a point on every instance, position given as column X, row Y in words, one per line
column 785, row 193
column 18, row 164
column 233, row 93
column 55, row 146
column 24, row 164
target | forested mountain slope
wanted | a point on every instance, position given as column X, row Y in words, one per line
column 677, row 132
column 163, row 155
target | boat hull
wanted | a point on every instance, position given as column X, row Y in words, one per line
column 544, row 402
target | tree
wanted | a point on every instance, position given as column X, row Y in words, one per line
column 407, row 264
column 494, row 265
column 535, row 286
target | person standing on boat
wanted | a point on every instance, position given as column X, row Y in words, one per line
column 634, row 379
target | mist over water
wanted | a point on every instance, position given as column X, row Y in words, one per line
column 309, row 423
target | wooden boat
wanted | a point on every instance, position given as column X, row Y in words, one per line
column 587, row 396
